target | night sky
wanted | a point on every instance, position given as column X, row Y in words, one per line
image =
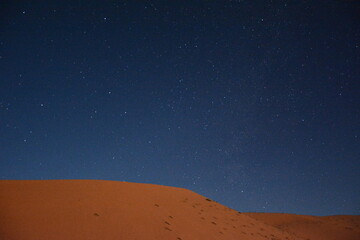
column 255, row 104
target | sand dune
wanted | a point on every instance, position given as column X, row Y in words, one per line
column 311, row 227
column 107, row 210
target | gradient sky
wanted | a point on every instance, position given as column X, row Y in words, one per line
column 255, row 104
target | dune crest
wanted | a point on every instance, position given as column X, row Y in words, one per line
column 109, row 210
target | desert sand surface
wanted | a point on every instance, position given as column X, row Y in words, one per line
column 109, row 210
column 312, row 227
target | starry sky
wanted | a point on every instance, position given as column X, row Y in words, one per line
column 254, row 104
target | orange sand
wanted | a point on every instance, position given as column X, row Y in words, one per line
column 311, row 227
column 109, row 210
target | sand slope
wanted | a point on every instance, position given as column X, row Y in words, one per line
column 106, row 210
column 311, row 227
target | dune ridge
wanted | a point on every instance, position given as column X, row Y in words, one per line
column 109, row 210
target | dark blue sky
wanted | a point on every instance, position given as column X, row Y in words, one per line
column 252, row 103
